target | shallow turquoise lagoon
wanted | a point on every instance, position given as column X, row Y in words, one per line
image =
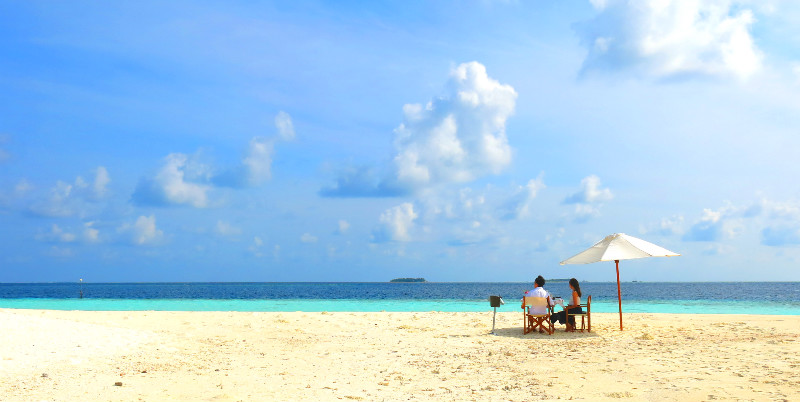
column 358, row 305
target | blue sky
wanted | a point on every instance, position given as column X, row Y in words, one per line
column 362, row 141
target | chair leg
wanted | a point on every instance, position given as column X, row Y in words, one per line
column 526, row 324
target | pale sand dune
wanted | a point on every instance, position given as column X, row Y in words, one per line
column 221, row 356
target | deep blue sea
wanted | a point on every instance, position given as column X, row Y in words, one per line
column 781, row 298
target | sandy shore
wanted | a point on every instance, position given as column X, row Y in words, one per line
column 222, row 356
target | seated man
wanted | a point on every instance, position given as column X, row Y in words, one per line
column 538, row 291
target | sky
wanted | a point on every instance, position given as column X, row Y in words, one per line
column 364, row 141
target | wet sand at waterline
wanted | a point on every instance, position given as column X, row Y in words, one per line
column 391, row 356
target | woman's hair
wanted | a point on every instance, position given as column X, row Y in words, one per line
column 576, row 286
column 539, row 281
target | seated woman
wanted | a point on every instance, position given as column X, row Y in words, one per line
column 573, row 306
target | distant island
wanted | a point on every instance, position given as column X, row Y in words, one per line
column 408, row 280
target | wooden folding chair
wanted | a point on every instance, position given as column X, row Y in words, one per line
column 534, row 321
column 586, row 314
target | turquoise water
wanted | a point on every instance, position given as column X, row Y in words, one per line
column 360, row 305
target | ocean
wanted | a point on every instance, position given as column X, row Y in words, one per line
column 778, row 298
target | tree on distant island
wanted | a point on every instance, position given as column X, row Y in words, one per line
column 408, row 280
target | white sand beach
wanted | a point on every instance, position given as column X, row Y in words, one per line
column 236, row 356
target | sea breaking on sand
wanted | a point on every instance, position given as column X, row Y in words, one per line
column 238, row 356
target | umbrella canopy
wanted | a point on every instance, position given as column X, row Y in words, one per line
column 616, row 247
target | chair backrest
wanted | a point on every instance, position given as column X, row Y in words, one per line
column 538, row 305
column 535, row 301
column 587, row 307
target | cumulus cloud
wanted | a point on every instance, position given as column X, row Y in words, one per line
column 65, row 199
column 667, row 39
column 257, row 247
column 585, row 212
column 56, row 234
column 783, row 223
column 97, row 189
column 343, row 227
column 258, row 161
column 90, row 233
column 226, row 229
column 173, row 184
column 256, row 166
column 308, row 238
column 781, row 235
column 362, row 182
column 708, row 228
column 778, row 223
column 283, row 122
column 395, row 223
column 454, row 138
column 590, row 192
column 666, row 227
column 58, row 203
column 518, row 205
column 144, row 231
column 101, row 180
column 184, row 181
column 255, row 169
column 588, row 199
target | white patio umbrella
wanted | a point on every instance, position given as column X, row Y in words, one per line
column 615, row 247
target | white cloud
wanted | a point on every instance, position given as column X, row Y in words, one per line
column 90, row 234
column 585, row 212
column 57, row 234
column 667, row 39
column 708, row 228
column 98, row 187
column 396, row 223
column 308, row 238
column 22, row 188
column 58, row 203
column 65, row 199
column 255, row 169
column 599, row 4
column 457, row 137
column 590, row 192
column 781, row 235
column 259, row 160
column 778, row 223
column 666, row 227
column 257, row 247
column 226, row 229
column 518, row 205
column 343, row 227
column 172, row 186
column 454, row 138
column 143, row 231
column 101, row 180
column 283, row 122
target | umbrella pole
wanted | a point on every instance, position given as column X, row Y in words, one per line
column 619, row 296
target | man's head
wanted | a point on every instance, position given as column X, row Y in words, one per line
column 539, row 281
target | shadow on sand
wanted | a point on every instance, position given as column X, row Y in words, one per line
column 559, row 334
